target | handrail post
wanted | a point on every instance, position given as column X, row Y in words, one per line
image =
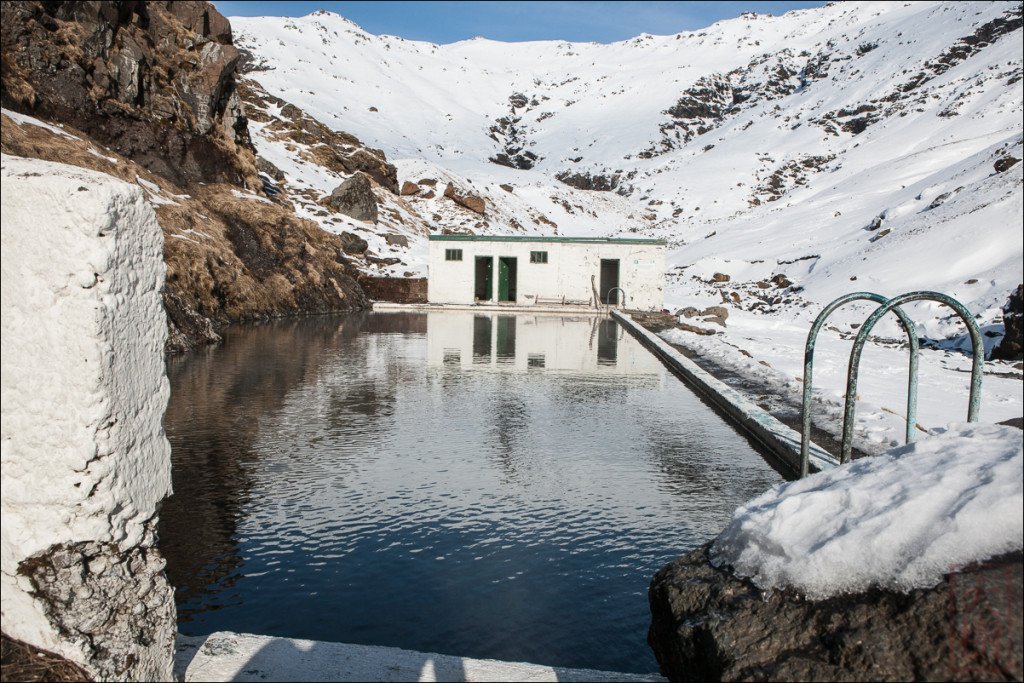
column 812, row 336
column 622, row 291
column 978, row 347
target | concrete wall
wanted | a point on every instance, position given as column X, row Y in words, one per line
column 567, row 273
column 402, row 290
column 85, row 462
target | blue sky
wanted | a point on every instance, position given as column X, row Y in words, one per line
column 446, row 22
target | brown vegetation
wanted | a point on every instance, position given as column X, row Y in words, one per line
column 23, row 662
column 230, row 256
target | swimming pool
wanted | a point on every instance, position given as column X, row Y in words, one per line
column 485, row 485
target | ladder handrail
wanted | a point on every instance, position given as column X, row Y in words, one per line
column 812, row 336
column 978, row 347
column 608, row 295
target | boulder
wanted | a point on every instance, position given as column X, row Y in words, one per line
column 685, row 327
column 1005, row 163
column 471, row 202
column 263, row 165
column 716, row 311
column 373, row 163
column 355, row 198
column 353, row 244
column 709, row 625
column 409, row 189
column 397, row 240
column 1012, row 345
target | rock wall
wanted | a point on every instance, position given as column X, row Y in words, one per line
column 709, row 625
column 154, row 81
column 85, row 463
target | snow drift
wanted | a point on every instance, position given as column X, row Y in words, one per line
column 901, row 520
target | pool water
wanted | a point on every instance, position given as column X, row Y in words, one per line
column 487, row 486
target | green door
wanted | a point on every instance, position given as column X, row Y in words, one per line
column 507, row 278
column 484, row 281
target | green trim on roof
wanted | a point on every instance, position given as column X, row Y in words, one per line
column 527, row 238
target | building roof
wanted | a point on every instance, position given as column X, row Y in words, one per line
column 541, row 238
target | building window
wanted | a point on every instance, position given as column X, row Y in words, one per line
column 538, row 257
column 452, row 254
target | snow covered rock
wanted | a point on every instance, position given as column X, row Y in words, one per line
column 900, row 520
column 904, row 565
column 85, row 462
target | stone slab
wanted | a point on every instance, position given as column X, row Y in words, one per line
column 227, row 656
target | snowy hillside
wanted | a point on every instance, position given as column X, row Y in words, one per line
column 859, row 146
column 813, row 123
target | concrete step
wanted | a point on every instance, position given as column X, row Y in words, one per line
column 227, row 656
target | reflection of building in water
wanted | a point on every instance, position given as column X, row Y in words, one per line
column 526, row 343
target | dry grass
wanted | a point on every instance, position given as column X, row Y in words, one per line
column 22, row 662
column 228, row 258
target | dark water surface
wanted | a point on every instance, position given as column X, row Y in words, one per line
column 486, row 486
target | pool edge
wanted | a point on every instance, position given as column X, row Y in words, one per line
column 768, row 431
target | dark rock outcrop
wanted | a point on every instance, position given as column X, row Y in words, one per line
column 355, row 198
column 1012, row 345
column 1005, row 163
column 513, row 135
column 353, row 244
column 153, row 84
column 409, row 188
column 335, row 150
column 708, row 625
column 586, row 181
column 154, row 81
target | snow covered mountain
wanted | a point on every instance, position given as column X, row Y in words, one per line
column 855, row 142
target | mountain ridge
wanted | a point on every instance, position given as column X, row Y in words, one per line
column 813, row 122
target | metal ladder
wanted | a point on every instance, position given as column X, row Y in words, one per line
column 850, row 405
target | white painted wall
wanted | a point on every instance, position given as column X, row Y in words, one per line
column 85, row 461
column 567, row 273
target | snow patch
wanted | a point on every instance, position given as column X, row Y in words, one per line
column 901, row 520
column 22, row 119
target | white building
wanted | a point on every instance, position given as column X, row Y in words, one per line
column 532, row 271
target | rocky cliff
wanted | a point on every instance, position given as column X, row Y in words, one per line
column 147, row 91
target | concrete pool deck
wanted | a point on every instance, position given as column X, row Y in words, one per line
column 227, row 656
column 780, row 440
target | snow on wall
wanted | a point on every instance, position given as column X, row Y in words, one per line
column 85, row 460
column 901, row 520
